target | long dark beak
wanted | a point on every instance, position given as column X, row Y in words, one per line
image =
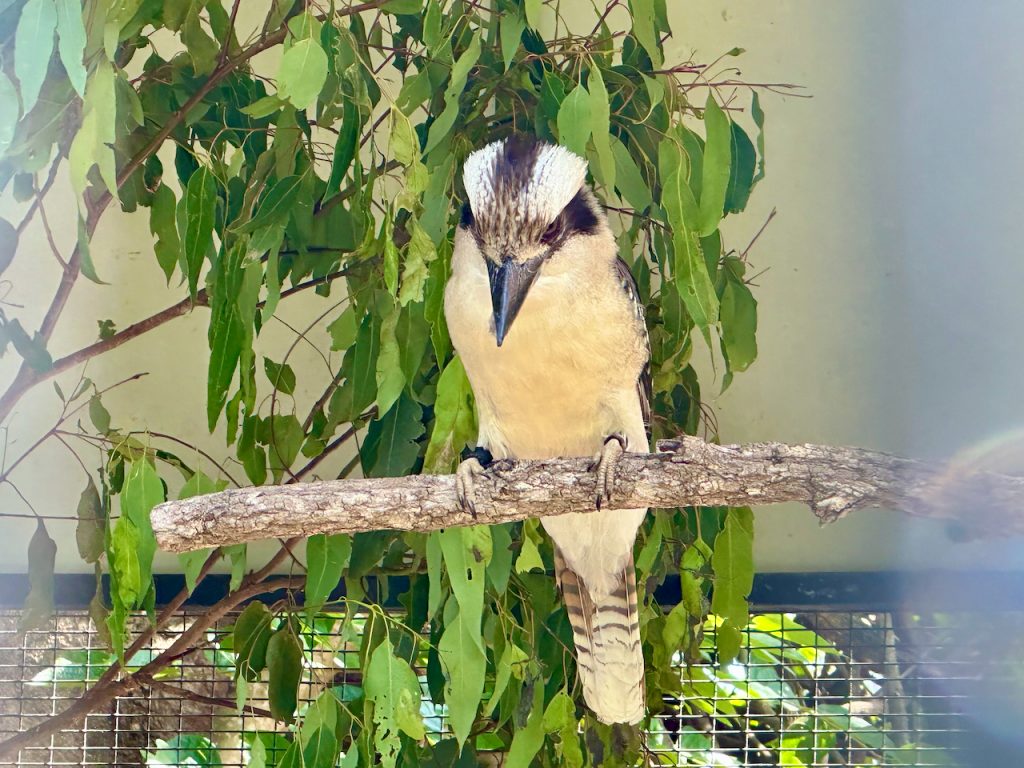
column 510, row 282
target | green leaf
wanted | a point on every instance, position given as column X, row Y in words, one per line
column 200, row 484
column 512, row 656
column 600, row 124
column 528, row 740
column 390, row 449
column 465, row 567
column 715, row 177
column 191, row 565
column 630, row 182
column 462, row 657
column 403, row 143
column 233, row 288
column 284, row 437
column 33, row 44
column 85, row 253
column 460, row 72
column 511, row 33
column 42, row 555
column 733, row 564
column 162, row 224
column 418, row 255
column 454, row 419
column 343, row 330
column 529, row 556
column 738, row 317
column 533, row 12
column 98, row 415
column 281, row 376
column 321, row 750
column 403, row 6
column 141, row 492
column 758, row 114
column 91, row 529
column 360, row 369
column 236, row 553
column 284, row 664
column 302, row 73
column 125, row 569
column 276, row 206
column 9, row 116
column 390, row 378
column 326, row 559
column 200, row 210
column 394, row 690
column 344, row 148
column 574, row 124
column 95, row 140
column 644, row 28
column 741, row 170
column 71, row 42
column 251, row 637
column 689, row 271
column 32, row 349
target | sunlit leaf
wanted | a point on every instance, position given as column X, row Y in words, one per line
column 302, row 73
column 33, row 44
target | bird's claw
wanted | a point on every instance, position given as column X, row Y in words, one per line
column 468, row 471
column 465, row 484
column 606, row 464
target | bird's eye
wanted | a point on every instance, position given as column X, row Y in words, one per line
column 552, row 232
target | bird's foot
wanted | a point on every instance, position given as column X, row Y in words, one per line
column 472, row 466
column 605, row 466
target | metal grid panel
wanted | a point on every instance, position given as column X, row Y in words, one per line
column 827, row 688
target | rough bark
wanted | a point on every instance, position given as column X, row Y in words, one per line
column 685, row 472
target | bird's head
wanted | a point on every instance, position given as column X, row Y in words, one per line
column 527, row 204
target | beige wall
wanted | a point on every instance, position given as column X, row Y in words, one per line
column 888, row 312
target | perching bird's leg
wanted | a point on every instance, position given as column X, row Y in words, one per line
column 472, row 466
column 606, row 463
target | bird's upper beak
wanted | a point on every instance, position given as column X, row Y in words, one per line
column 510, row 282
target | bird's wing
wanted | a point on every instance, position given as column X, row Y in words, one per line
column 643, row 384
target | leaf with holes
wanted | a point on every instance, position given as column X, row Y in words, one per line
column 394, row 690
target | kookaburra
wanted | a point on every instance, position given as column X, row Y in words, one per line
column 550, row 329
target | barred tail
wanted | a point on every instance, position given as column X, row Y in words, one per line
column 609, row 655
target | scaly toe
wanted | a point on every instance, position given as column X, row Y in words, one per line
column 465, row 484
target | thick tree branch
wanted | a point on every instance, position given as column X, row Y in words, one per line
column 686, row 472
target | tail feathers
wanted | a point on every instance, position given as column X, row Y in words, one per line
column 609, row 655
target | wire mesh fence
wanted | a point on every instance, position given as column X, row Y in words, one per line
column 811, row 688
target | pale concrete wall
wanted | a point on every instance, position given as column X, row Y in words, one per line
column 889, row 313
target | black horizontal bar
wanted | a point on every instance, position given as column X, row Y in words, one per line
column 868, row 591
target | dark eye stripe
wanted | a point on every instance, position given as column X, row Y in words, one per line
column 466, row 217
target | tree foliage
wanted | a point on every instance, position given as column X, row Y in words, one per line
column 330, row 175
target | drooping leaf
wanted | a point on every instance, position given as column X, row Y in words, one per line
column 326, row 559
column 733, row 564
column 162, row 224
column 690, row 273
column 390, row 449
column 741, row 170
column 284, row 666
column 251, row 637
column 644, row 28
column 600, row 124
column 460, row 71
column 630, row 182
column 511, row 34
column 91, row 528
column 276, row 205
column 717, row 161
column 530, row 738
column 739, row 324
column 33, row 44
column 454, row 419
column 71, row 42
column 758, row 114
column 141, row 492
column 200, row 210
column 281, row 376
column 462, row 657
column 42, row 555
column 394, row 690
column 390, row 378
column 302, row 73
column 344, row 148
column 574, row 123
column 191, row 565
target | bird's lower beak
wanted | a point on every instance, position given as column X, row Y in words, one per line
column 510, row 282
